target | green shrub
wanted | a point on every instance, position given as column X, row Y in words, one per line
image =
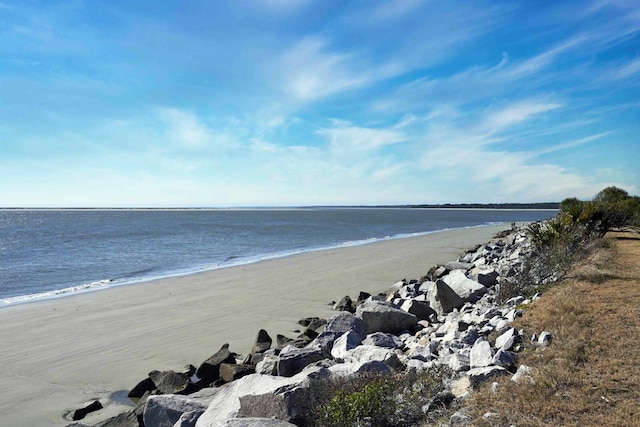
column 376, row 400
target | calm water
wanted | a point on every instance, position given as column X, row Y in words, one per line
column 50, row 253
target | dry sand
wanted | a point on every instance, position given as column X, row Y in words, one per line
column 58, row 354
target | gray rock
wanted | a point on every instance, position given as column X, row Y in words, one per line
column 545, row 339
column 367, row 353
column 460, row 360
column 481, row 355
column 348, row 369
column 126, row 419
column 381, row 339
column 478, row 375
column 344, row 322
column 458, row 265
column 257, row 395
column 422, row 353
column 420, row 309
column 210, row 368
column 170, row 382
column 345, row 304
column 188, row 419
column 507, row 340
column 504, row 358
column 442, row 298
column 263, row 342
column 79, row 414
column 464, row 287
column 292, row 360
column 268, row 365
column 379, row 316
column 523, row 375
column 459, row 419
column 166, row 410
column 512, row 302
column 461, row 387
column 347, row 341
column 488, row 278
column 231, row 372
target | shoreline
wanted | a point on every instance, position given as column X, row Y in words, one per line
column 104, row 284
column 59, row 353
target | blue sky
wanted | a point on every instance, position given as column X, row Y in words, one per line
column 302, row 102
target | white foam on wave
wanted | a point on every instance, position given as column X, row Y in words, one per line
column 57, row 292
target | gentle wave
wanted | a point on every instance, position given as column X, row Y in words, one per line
column 100, row 284
column 231, row 261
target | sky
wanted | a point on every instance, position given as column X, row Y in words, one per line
column 316, row 102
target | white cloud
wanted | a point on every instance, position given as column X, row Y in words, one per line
column 516, row 113
column 312, row 70
column 345, row 137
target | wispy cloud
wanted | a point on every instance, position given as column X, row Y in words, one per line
column 312, row 70
column 345, row 137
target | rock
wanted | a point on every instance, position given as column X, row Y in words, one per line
column 347, row 369
column 523, row 375
column 141, row 388
column 171, row 382
column 292, row 360
column 460, row 360
column 166, row 410
column 345, row 322
column 464, row 287
column 231, row 372
column 458, row 265
column 368, row 353
column 362, row 296
column 420, row 309
column 347, row 341
column 79, row 414
column 345, row 304
column 515, row 301
column 210, row 368
column 126, row 419
column 507, row 340
column 488, row 278
column 188, row 419
column 268, row 365
column 379, row 316
column 478, row 375
column 396, row 287
column 263, row 342
column 481, row 355
column 459, row 419
column 259, row 395
column 504, row 358
column 544, row 339
column 436, row 272
column 380, row 339
column 422, row 353
column 442, row 298
column 461, row 387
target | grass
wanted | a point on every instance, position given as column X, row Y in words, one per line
column 590, row 374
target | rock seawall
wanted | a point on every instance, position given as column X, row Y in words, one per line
column 450, row 317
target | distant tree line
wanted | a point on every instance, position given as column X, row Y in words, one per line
column 546, row 205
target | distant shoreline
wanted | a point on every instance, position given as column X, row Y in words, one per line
column 496, row 206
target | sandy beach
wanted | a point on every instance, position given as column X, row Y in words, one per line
column 58, row 354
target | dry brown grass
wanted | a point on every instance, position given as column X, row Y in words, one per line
column 590, row 374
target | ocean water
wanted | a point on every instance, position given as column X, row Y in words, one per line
column 50, row 253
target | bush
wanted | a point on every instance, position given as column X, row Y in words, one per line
column 376, row 400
